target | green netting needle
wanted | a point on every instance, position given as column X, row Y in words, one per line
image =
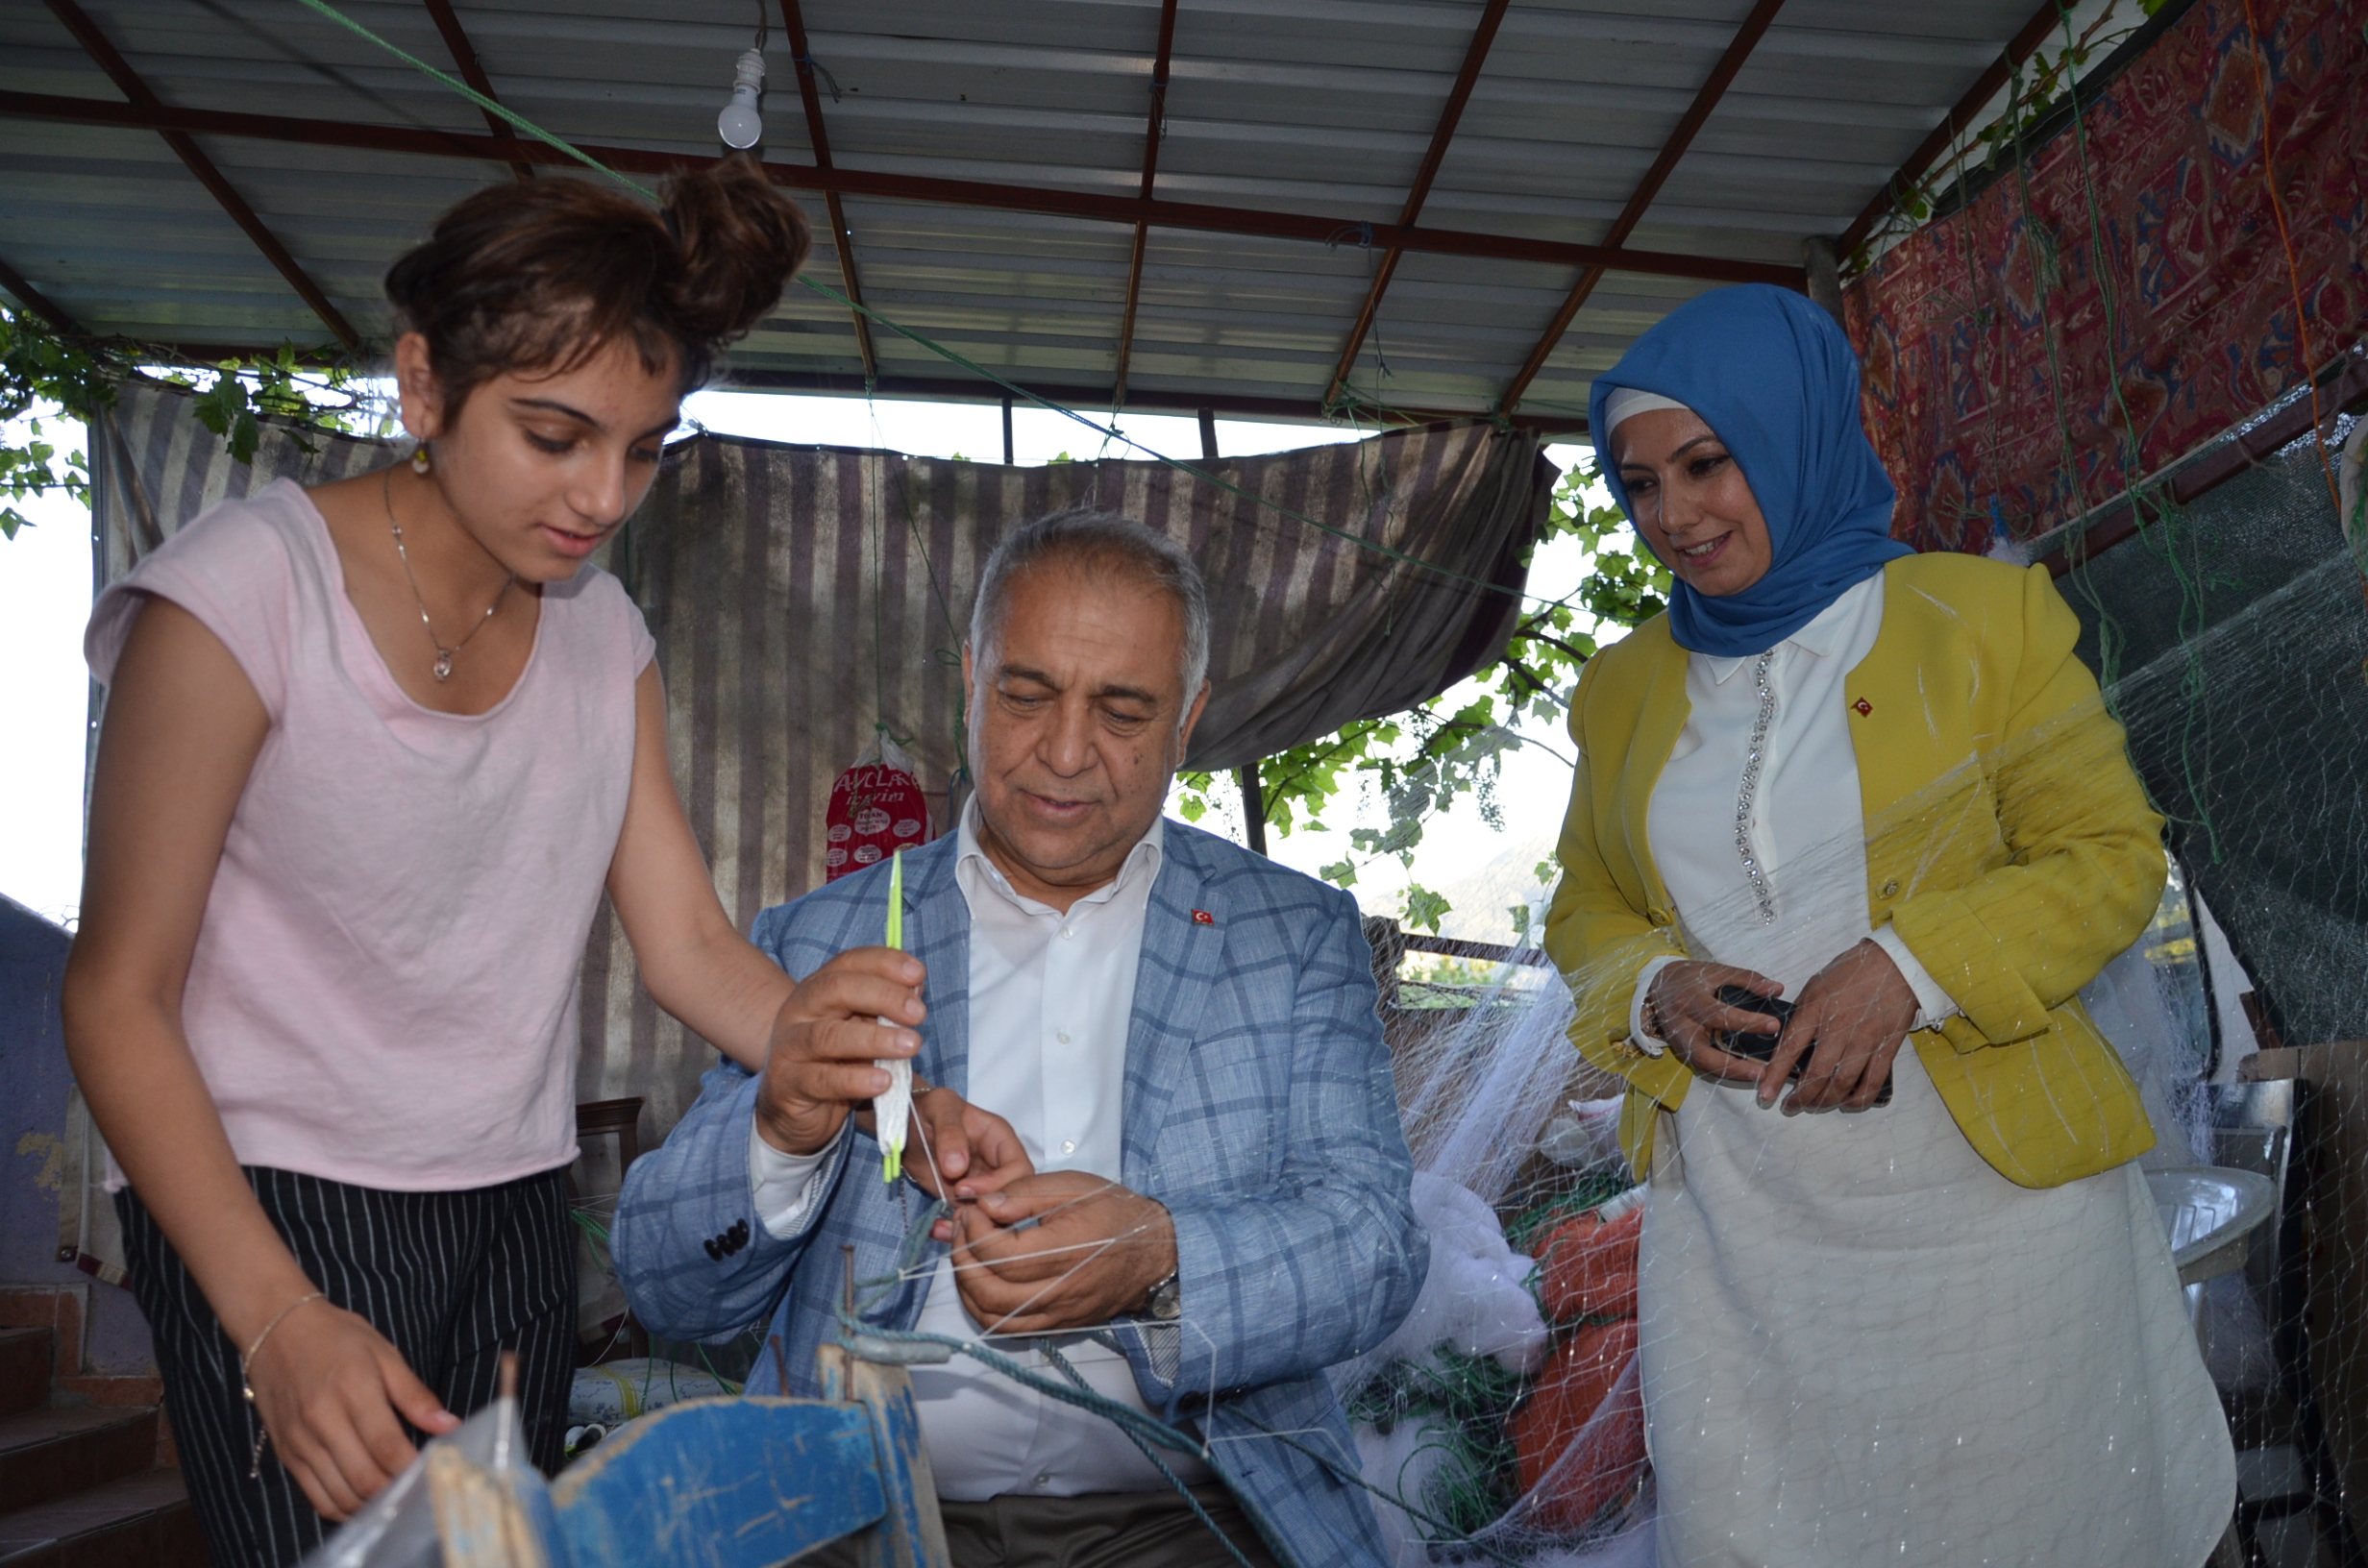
column 894, row 1109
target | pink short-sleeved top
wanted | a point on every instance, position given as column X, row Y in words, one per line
column 384, row 990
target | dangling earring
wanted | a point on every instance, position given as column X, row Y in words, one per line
column 419, row 460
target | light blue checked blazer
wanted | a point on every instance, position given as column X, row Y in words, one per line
column 1258, row 1109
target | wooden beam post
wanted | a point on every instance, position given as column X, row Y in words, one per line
column 1151, row 133
column 472, row 71
column 1099, row 206
column 39, row 303
column 1476, row 55
column 841, row 236
column 128, row 82
column 2043, row 21
column 1640, row 202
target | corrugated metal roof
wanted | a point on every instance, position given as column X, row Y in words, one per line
column 1297, row 107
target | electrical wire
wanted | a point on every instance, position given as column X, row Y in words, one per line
column 1109, row 433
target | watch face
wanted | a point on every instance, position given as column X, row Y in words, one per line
column 1168, row 1298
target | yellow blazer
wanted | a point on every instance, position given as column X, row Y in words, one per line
column 2008, row 842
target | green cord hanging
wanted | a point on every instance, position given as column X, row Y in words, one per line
column 1109, row 433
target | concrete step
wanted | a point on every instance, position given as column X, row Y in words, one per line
column 48, row 1454
column 120, row 1392
column 24, row 1369
column 140, row 1521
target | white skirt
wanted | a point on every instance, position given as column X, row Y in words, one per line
column 1863, row 1345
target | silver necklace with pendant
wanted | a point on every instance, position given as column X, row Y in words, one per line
column 443, row 666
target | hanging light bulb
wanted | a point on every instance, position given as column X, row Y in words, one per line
column 740, row 125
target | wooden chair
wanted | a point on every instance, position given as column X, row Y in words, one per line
column 620, row 1120
column 617, row 1118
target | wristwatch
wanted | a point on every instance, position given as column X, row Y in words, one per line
column 1166, row 1302
column 1653, row 1040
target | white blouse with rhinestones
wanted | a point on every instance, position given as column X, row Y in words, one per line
column 1756, row 824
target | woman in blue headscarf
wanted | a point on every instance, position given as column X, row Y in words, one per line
column 1851, row 796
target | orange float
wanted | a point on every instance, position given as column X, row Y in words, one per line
column 1580, row 1438
column 1588, row 1268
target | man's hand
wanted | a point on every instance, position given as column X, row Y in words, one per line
column 1062, row 1249
column 825, row 1040
column 1853, row 1016
column 961, row 1152
column 1685, row 998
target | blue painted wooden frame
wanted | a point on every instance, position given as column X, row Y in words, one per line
column 752, row 1482
column 721, row 1484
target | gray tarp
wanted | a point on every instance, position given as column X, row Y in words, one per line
column 802, row 594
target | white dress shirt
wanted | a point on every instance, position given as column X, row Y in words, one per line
column 1766, row 858
column 1052, row 997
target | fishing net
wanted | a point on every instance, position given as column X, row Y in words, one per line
column 1886, row 1331
column 2234, row 628
column 1900, row 1331
column 1506, row 1414
column 1506, row 1418
column 1502, row 1417
column 2198, row 1301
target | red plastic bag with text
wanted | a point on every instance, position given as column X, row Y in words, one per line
column 876, row 808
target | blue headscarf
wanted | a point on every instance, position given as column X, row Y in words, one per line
column 1773, row 374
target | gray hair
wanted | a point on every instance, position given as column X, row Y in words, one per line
column 1102, row 543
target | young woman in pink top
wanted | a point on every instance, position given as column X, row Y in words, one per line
column 372, row 753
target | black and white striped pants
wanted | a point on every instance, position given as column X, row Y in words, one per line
column 452, row 1279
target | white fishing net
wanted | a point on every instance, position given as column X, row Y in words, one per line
column 1856, row 1339
column 1849, row 1337
column 1507, row 1410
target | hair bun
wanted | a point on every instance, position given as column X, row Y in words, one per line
column 533, row 277
column 741, row 241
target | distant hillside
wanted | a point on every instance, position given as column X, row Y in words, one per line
column 1482, row 901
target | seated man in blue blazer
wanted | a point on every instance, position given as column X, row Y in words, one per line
column 1212, row 1203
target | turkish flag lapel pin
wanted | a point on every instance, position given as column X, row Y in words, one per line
column 1202, row 916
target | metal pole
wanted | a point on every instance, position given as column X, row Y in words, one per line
column 1006, row 432
column 1253, row 806
column 1254, row 795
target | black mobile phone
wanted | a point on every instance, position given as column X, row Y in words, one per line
column 1762, row 1047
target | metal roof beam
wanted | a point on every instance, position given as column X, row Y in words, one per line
column 1097, row 207
column 1985, row 87
column 1697, row 114
column 969, row 389
column 472, row 72
column 1476, row 55
column 842, row 237
column 1253, row 408
column 128, row 80
column 39, row 303
column 1151, row 133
